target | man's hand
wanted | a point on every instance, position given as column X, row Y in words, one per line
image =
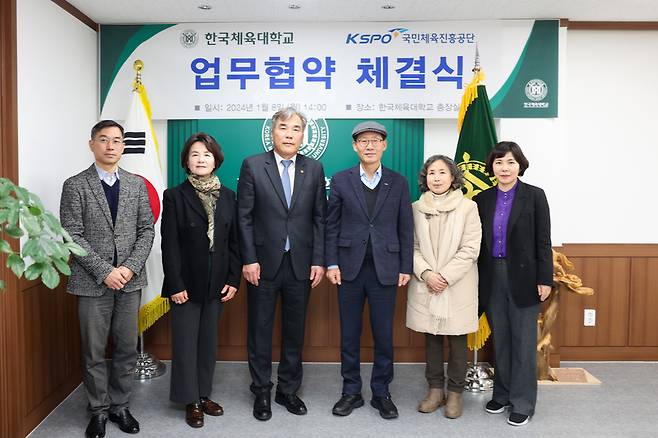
column 403, row 279
column 180, row 297
column 543, row 291
column 316, row 275
column 230, row 292
column 126, row 273
column 333, row 274
column 115, row 279
column 251, row 273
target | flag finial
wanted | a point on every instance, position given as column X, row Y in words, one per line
column 138, row 65
column 476, row 67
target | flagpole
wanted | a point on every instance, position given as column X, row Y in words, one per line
column 148, row 366
column 479, row 376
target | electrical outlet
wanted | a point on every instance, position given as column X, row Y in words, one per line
column 589, row 319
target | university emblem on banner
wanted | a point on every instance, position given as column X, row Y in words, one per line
column 316, row 138
column 536, row 90
column 476, row 179
column 189, row 38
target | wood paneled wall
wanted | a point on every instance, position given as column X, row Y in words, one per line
column 625, row 280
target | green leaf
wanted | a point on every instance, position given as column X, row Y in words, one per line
column 62, row 266
column 16, row 264
column 53, row 223
column 3, row 215
column 22, row 194
column 34, row 210
column 33, row 271
column 12, row 214
column 14, row 231
column 54, row 248
column 2, row 284
column 50, row 277
column 76, row 249
column 5, row 246
column 31, row 247
column 31, row 224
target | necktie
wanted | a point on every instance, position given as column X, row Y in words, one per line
column 285, row 180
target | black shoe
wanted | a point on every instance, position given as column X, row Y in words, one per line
column 516, row 419
column 96, row 426
column 262, row 406
column 125, row 421
column 493, row 407
column 385, row 406
column 294, row 404
column 346, row 404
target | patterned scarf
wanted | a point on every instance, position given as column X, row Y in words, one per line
column 207, row 188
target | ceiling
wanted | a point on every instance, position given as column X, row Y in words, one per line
column 178, row 11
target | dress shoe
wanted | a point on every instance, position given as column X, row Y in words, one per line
column 454, row 405
column 125, row 421
column 294, row 404
column 346, row 404
column 96, row 426
column 210, row 407
column 262, row 406
column 194, row 415
column 385, row 406
column 432, row 401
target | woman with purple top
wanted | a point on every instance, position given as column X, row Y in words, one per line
column 515, row 274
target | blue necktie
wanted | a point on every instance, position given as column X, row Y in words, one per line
column 285, row 180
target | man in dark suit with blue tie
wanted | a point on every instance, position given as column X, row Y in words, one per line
column 281, row 217
column 369, row 253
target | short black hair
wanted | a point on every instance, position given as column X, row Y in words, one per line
column 105, row 124
column 456, row 172
column 211, row 144
column 500, row 150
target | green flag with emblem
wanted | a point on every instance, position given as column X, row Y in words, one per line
column 477, row 136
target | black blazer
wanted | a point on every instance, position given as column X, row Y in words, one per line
column 185, row 249
column 529, row 253
column 390, row 228
column 264, row 217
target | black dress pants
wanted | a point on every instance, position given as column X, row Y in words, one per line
column 193, row 348
column 262, row 301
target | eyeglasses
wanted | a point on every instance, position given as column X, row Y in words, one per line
column 106, row 140
column 374, row 141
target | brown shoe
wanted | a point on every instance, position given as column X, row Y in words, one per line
column 454, row 406
column 194, row 415
column 210, row 407
column 433, row 401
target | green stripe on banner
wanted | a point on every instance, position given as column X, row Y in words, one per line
column 242, row 138
column 117, row 43
column 531, row 89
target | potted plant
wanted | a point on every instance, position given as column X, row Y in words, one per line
column 46, row 245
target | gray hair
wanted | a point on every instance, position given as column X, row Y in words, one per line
column 287, row 113
column 455, row 171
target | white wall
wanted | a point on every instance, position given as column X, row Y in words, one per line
column 596, row 160
column 57, row 96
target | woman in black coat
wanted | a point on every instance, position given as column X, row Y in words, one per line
column 201, row 262
column 515, row 274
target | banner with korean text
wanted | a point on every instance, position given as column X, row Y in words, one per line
column 331, row 70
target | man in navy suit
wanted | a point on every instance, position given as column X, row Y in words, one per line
column 369, row 252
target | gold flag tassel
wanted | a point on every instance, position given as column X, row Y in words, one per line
column 470, row 94
column 477, row 339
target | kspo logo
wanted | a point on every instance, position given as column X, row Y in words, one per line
column 371, row 38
